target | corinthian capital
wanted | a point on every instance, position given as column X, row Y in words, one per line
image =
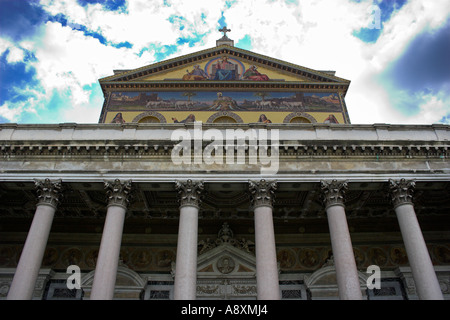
column 117, row 193
column 48, row 192
column 401, row 191
column 333, row 192
column 189, row 192
column 262, row 193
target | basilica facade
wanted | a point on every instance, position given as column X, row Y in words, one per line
column 224, row 174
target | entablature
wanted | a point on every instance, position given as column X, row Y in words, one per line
column 157, row 140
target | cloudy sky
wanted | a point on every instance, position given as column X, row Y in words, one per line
column 395, row 52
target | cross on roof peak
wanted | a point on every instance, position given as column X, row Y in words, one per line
column 224, row 30
column 225, row 40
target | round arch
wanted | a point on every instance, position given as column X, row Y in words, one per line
column 299, row 120
column 299, row 115
column 152, row 117
column 224, row 115
column 225, row 119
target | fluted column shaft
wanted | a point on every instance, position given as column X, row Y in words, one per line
column 108, row 257
column 189, row 193
column 424, row 276
column 27, row 271
column 267, row 280
column 346, row 272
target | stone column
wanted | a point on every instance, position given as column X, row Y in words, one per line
column 27, row 271
column 262, row 198
column 425, row 278
column 346, row 272
column 185, row 287
column 108, row 257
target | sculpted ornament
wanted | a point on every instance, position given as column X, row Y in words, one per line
column 262, row 193
column 245, row 290
column 333, row 192
column 225, row 234
column 48, row 192
column 189, row 192
column 401, row 191
column 118, row 194
column 224, row 237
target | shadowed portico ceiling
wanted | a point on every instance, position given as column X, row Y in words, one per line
column 297, row 205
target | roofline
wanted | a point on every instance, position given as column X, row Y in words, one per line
column 223, row 49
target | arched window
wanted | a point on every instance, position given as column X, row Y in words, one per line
column 299, row 120
column 225, row 119
column 299, row 117
column 149, row 119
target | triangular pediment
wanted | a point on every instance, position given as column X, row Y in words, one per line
column 224, row 63
column 226, row 261
column 226, row 256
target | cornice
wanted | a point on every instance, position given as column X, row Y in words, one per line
column 154, row 140
column 145, row 126
column 378, row 151
column 224, row 85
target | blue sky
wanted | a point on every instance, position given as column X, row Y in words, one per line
column 395, row 52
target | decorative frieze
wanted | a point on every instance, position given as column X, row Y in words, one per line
column 48, row 192
column 333, row 192
column 189, row 192
column 401, row 191
column 262, row 193
column 117, row 193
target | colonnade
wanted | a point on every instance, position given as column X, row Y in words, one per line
column 262, row 198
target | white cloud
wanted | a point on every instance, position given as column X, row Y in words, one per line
column 431, row 111
column 15, row 55
column 68, row 63
column 4, row 45
column 84, row 111
column 66, row 59
column 415, row 17
column 33, row 101
column 11, row 114
column 144, row 23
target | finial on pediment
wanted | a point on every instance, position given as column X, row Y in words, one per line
column 225, row 236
